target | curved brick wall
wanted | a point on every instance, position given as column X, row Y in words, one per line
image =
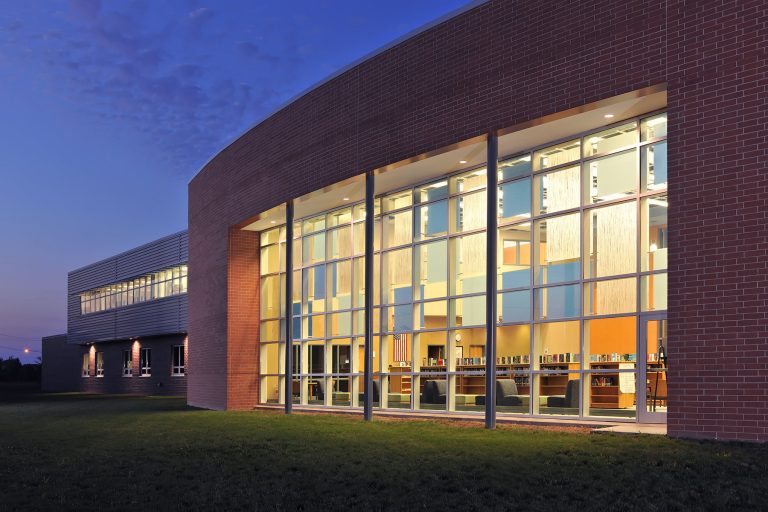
column 502, row 63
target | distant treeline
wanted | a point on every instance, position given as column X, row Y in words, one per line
column 12, row 370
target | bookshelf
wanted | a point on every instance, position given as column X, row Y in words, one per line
column 609, row 390
column 550, row 385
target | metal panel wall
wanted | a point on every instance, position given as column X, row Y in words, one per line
column 162, row 316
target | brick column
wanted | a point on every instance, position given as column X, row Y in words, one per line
column 243, row 320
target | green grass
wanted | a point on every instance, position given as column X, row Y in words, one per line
column 77, row 452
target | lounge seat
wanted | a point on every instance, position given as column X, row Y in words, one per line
column 375, row 393
column 507, row 394
column 434, row 392
column 570, row 399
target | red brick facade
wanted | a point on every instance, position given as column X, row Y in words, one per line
column 500, row 64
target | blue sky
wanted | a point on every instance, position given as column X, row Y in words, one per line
column 107, row 110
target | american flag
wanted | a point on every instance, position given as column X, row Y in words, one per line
column 401, row 347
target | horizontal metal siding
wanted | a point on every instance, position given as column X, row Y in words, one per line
column 163, row 316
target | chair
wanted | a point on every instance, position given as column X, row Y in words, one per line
column 320, row 390
column 570, row 399
column 374, row 393
column 506, row 393
column 434, row 392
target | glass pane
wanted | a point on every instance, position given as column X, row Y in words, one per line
column 313, row 285
column 339, row 285
column 556, row 346
column 514, row 307
column 432, row 351
column 270, row 297
column 273, row 330
column 611, row 139
column 558, row 248
column 398, row 318
column 314, row 224
column 557, row 191
column 397, row 276
column 359, row 280
column 559, row 393
column 432, row 192
column 611, row 340
column 397, row 200
column 514, row 256
column 515, row 200
column 270, row 260
column 467, row 182
column 654, row 166
column 612, row 177
column 271, row 390
column 468, row 212
column 358, row 237
column 656, row 366
column 653, row 127
column 653, row 290
column 431, row 267
column 655, row 238
column 270, row 358
column 269, row 237
column 514, row 167
column 339, row 217
column 313, row 248
column 313, row 326
column 468, row 269
column 340, row 243
column 398, row 229
column 431, row 315
column 513, row 348
column 432, row 220
column 612, row 240
column 612, row 392
column 558, row 154
column 469, row 347
column 468, row 311
column 610, row 297
column 558, row 302
column 339, row 324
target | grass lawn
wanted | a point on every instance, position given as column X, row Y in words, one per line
column 79, row 452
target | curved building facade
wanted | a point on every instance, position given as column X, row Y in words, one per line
column 545, row 182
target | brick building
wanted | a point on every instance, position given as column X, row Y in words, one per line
column 126, row 324
column 519, row 249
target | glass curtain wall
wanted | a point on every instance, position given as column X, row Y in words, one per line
column 581, row 252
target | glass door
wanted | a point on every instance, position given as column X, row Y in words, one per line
column 652, row 375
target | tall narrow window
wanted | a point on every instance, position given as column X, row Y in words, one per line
column 127, row 363
column 99, row 364
column 178, row 360
column 145, row 362
column 86, row 363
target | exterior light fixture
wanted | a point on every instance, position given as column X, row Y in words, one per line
column 273, row 222
column 608, row 116
column 462, row 161
column 26, row 350
column 345, row 199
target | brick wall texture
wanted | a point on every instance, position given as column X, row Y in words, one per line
column 503, row 63
column 62, row 364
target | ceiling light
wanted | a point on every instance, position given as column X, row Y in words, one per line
column 595, row 140
column 462, row 161
column 608, row 116
column 273, row 222
column 345, row 199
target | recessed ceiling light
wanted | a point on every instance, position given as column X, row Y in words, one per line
column 462, row 161
column 345, row 198
column 608, row 116
column 273, row 222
